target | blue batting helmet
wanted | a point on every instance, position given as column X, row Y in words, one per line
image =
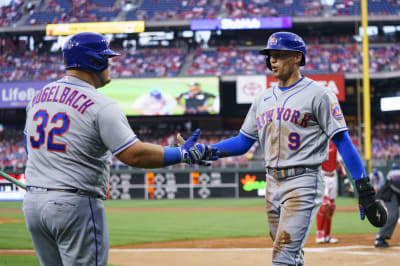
column 156, row 93
column 87, row 50
column 287, row 41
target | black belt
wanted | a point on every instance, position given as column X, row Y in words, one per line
column 69, row 190
column 288, row 172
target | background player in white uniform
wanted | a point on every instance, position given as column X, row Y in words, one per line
column 327, row 209
column 293, row 122
column 72, row 131
column 154, row 103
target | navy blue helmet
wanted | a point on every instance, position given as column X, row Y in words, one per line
column 156, row 93
column 87, row 50
column 286, row 41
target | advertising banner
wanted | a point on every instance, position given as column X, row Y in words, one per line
column 252, row 184
column 99, row 27
column 335, row 82
column 248, row 86
column 18, row 94
column 241, row 23
column 10, row 191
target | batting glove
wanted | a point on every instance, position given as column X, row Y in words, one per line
column 192, row 152
column 368, row 205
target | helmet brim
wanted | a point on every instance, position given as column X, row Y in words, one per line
column 110, row 53
column 264, row 52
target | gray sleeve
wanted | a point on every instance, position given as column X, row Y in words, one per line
column 329, row 114
column 249, row 127
column 114, row 128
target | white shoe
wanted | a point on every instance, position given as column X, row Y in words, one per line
column 331, row 240
column 320, row 240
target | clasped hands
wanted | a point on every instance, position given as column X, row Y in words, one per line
column 196, row 153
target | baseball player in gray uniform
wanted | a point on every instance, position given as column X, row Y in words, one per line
column 293, row 122
column 71, row 132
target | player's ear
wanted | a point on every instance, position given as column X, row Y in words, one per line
column 299, row 57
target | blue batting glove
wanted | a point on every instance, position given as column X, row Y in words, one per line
column 192, row 152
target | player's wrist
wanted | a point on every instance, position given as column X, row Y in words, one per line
column 172, row 155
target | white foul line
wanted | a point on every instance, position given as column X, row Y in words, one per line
column 351, row 250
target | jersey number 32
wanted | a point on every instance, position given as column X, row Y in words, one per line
column 46, row 134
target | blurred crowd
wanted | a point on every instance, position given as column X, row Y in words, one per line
column 64, row 11
column 30, row 65
column 164, row 62
column 385, row 145
column 12, row 150
column 11, row 13
column 168, row 62
column 320, row 59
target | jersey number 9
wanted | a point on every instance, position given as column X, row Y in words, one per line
column 294, row 141
column 54, row 130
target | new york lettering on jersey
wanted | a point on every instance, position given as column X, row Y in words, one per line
column 285, row 114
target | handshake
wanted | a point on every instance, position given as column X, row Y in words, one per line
column 196, row 153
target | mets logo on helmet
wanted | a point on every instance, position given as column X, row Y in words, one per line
column 272, row 39
column 336, row 111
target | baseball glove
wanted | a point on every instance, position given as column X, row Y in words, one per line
column 369, row 206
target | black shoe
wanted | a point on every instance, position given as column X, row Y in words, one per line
column 381, row 243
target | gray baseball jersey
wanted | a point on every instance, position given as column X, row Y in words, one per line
column 72, row 131
column 293, row 126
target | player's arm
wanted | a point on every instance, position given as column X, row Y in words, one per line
column 147, row 155
column 340, row 166
column 368, row 204
column 234, row 146
column 207, row 105
column 349, row 154
column 118, row 137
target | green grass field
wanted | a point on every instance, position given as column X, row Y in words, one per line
column 143, row 227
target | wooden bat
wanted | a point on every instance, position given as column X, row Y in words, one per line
column 180, row 139
column 13, row 180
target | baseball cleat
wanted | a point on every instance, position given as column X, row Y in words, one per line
column 381, row 243
column 320, row 240
column 331, row 240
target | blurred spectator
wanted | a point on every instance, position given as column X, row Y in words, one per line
column 377, row 179
column 10, row 13
column 12, row 151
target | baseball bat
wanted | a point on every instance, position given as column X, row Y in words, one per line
column 12, row 180
column 180, row 139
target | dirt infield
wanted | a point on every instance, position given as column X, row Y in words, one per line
column 352, row 250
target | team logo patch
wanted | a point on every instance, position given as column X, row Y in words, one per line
column 272, row 40
column 336, row 111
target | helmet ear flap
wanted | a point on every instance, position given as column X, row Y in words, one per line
column 267, row 62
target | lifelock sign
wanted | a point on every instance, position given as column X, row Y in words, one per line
column 18, row 94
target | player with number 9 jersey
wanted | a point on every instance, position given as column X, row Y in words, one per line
column 293, row 123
